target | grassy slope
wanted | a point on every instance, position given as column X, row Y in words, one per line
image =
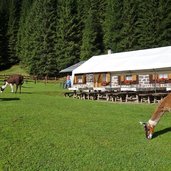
column 16, row 69
column 42, row 130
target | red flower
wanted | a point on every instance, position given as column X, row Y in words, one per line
column 104, row 83
column 127, row 81
column 162, row 79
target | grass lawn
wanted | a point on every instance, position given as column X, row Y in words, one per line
column 41, row 130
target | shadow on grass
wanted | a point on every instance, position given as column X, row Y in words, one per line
column 9, row 99
column 26, row 86
column 26, row 93
column 164, row 131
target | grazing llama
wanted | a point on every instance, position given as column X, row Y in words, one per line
column 13, row 79
column 164, row 106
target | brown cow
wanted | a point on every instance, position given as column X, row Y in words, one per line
column 13, row 79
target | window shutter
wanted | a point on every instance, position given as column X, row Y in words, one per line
column 122, row 78
column 108, row 77
column 154, row 76
column 100, row 78
column 169, row 76
column 150, row 78
column 95, row 78
column 75, row 79
column 84, row 79
column 134, row 77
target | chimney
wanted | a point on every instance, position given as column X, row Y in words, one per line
column 109, row 51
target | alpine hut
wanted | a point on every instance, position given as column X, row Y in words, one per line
column 132, row 70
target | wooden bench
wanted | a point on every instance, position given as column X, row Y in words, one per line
column 69, row 94
column 132, row 96
column 145, row 98
column 158, row 97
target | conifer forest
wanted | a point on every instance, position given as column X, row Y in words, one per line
column 45, row 36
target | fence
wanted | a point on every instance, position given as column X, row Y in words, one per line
column 36, row 79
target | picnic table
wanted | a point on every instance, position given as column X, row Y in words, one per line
column 147, row 95
column 159, row 96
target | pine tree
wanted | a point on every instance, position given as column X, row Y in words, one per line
column 92, row 40
column 4, row 62
column 49, row 35
column 128, row 33
column 164, row 24
column 148, row 23
column 23, row 33
column 113, row 24
column 67, row 38
column 80, row 13
column 48, row 58
column 88, row 41
column 38, row 38
column 26, row 38
column 14, row 11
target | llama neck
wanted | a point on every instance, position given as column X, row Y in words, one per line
column 156, row 116
column 5, row 85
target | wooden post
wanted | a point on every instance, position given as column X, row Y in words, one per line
column 155, row 81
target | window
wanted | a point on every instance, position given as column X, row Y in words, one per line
column 105, row 79
column 80, row 79
column 160, row 78
column 128, row 79
column 163, row 76
column 101, row 79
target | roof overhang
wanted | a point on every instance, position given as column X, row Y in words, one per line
column 140, row 61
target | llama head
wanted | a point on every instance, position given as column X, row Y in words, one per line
column 149, row 130
column 2, row 88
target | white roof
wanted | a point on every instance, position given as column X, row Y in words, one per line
column 140, row 60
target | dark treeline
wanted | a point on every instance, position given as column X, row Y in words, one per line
column 45, row 36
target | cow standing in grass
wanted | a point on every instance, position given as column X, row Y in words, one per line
column 13, row 79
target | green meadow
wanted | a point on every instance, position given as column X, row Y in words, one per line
column 41, row 130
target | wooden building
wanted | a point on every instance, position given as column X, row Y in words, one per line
column 132, row 70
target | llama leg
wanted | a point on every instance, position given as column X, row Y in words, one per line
column 20, row 88
column 12, row 87
column 16, row 88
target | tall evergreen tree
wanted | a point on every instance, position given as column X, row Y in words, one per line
column 92, row 40
column 13, row 19
column 148, row 24
column 80, row 23
column 53, row 34
column 88, row 41
column 4, row 62
column 48, row 57
column 129, row 37
column 67, row 43
column 113, row 24
column 164, row 24
column 38, row 38
column 27, row 44
column 23, row 34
